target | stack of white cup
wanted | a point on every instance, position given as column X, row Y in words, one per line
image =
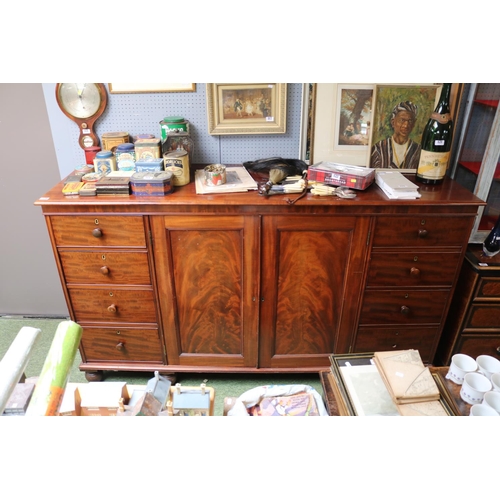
column 480, row 381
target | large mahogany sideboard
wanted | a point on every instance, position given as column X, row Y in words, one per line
column 245, row 283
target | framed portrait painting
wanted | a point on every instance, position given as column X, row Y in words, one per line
column 246, row 108
column 400, row 114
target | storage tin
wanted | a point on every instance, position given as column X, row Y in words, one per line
column 176, row 141
column 125, row 156
column 149, row 165
column 104, row 162
column 336, row 174
column 177, row 163
column 151, row 183
column 147, row 148
column 173, row 124
column 109, row 140
column 90, row 154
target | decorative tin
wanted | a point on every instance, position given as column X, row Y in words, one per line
column 178, row 141
column 125, row 156
column 104, row 162
column 147, row 148
column 149, row 165
column 151, row 183
column 110, row 140
column 215, row 174
column 90, row 154
column 177, row 163
column 173, row 124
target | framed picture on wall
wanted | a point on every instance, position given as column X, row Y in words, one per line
column 399, row 118
column 246, row 108
column 134, row 88
column 353, row 117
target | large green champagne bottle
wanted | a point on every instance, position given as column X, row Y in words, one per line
column 436, row 141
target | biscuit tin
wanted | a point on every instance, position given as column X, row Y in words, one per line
column 151, row 183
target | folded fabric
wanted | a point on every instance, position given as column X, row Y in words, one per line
column 406, row 377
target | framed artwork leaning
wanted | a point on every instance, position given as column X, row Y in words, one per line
column 246, row 108
column 399, row 117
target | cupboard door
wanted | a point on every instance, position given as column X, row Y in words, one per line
column 208, row 276
column 311, row 288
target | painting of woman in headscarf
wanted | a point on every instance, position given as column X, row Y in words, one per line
column 400, row 116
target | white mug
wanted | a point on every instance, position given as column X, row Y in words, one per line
column 460, row 365
column 492, row 399
column 488, row 365
column 495, row 380
column 474, row 387
column 482, row 411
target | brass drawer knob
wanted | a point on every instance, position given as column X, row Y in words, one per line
column 104, row 270
column 96, row 233
column 112, row 308
column 415, row 271
column 405, row 310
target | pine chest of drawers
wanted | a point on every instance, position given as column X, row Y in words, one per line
column 239, row 282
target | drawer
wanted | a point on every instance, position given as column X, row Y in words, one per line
column 477, row 344
column 488, row 288
column 403, row 307
column 108, row 230
column 395, row 339
column 105, row 267
column 412, row 268
column 114, row 305
column 425, row 231
column 484, row 315
column 121, row 344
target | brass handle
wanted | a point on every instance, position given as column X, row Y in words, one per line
column 104, row 270
column 415, row 271
column 97, row 233
column 112, row 308
column 422, row 233
column 120, row 346
column 405, row 310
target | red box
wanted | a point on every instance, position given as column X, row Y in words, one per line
column 336, row 174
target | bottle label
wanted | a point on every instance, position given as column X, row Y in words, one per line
column 433, row 165
column 441, row 118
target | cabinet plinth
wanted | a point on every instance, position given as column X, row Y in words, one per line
column 240, row 282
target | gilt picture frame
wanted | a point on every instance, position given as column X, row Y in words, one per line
column 143, row 88
column 246, row 108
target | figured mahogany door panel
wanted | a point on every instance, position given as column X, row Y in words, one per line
column 488, row 288
column 121, row 344
column 475, row 344
column 105, row 267
column 113, row 305
column 371, row 339
column 483, row 315
column 98, row 230
column 311, row 286
column 413, row 268
column 403, row 307
column 208, row 269
column 422, row 231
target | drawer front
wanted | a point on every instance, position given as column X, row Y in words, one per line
column 476, row 344
column 105, row 267
column 484, row 315
column 87, row 230
column 403, row 307
column 114, row 305
column 421, row 231
column 395, row 339
column 412, row 268
column 121, row 344
column 488, row 288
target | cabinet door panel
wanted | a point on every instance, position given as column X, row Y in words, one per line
column 484, row 315
column 208, row 268
column 315, row 267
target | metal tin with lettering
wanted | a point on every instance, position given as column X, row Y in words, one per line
column 146, row 149
column 173, row 124
column 125, row 156
column 149, row 165
column 151, row 183
column 177, row 163
column 110, row 140
column 104, row 162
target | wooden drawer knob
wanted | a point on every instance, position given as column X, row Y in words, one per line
column 112, row 308
column 104, row 270
column 96, row 233
column 415, row 271
column 405, row 310
column 498, row 349
column 422, row 233
column 120, row 346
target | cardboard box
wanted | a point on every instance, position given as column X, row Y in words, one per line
column 336, row 174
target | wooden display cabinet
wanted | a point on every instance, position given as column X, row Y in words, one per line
column 239, row 282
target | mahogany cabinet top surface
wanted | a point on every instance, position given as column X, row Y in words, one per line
column 448, row 197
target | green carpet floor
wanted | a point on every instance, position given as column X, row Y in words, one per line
column 224, row 384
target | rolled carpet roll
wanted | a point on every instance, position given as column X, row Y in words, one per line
column 49, row 390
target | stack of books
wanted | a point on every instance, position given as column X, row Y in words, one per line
column 396, row 186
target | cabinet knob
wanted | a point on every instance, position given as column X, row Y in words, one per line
column 120, row 346
column 422, row 233
column 394, row 346
column 112, row 308
column 415, row 271
column 498, row 349
column 96, row 233
column 405, row 310
column 104, row 270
